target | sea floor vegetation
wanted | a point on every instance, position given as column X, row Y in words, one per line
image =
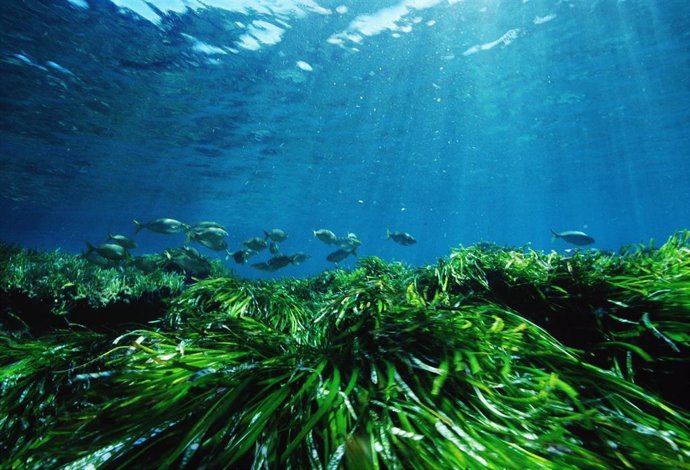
column 494, row 357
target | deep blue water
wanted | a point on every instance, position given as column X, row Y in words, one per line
column 455, row 121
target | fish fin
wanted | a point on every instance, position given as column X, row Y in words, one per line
column 554, row 235
column 388, row 234
column 139, row 226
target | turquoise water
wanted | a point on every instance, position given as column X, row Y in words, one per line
column 455, row 121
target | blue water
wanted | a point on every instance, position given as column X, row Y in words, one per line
column 455, row 121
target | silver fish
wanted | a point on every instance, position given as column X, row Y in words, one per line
column 188, row 260
column 273, row 264
column 573, row 237
column 207, row 232
column 325, row 236
column 111, row 251
column 241, row 256
column 340, row 255
column 402, row 238
column 350, row 241
column 255, row 243
column 209, row 224
column 299, row 258
column 162, row 226
column 263, row 266
column 279, row 261
column 211, row 237
column 276, row 234
column 213, row 244
column 123, row 241
column 94, row 258
column 189, row 251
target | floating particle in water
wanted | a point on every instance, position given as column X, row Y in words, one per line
column 304, row 66
column 543, row 19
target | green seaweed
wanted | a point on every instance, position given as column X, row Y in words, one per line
column 39, row 290
column 492, row 358
column 65, row 278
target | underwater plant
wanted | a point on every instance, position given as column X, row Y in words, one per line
column 39, row 290
column 453, row 365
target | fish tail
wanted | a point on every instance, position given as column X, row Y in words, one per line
column 89, row 247
column 388, row 234
column 139, row 226
column 554, row 235
column 266, row 235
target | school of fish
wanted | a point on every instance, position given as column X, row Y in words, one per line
column 115, row 250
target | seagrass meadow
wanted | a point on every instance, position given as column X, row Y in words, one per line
column 493, row 357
